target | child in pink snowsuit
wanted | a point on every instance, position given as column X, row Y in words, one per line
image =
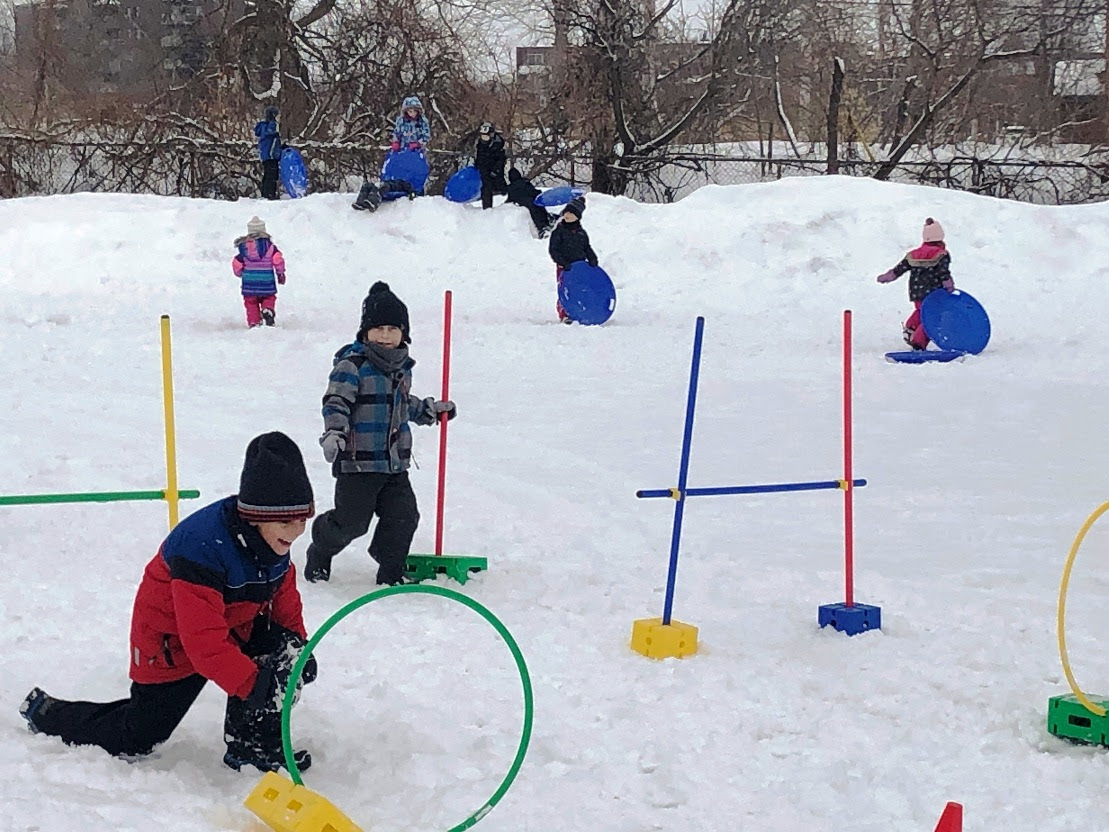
column 259, row 263
column 929, row 268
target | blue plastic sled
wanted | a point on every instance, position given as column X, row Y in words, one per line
column 923, row 356
column 294, row 175
column 955, row 321
column 409, row 165
column 558, row 196
column 587, row 294
column 464, row 186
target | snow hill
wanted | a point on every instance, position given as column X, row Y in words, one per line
column 980, row 473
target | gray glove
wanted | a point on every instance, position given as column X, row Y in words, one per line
column 332, row 442
column 436, row 408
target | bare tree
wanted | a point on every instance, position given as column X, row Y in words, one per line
column 948, row 44
column 632, row 88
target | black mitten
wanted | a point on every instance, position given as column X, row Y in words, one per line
column 263, row 696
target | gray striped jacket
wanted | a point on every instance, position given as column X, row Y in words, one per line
column 372, row 409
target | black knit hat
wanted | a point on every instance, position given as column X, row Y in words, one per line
column 274, row 486
column 382, row 308
column 576, row 206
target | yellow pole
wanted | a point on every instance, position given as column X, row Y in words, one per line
column 1092, row 707
column 172, row 495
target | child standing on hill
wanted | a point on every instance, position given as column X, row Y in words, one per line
column 489, row 159
column 929, row 268
column 366, row 411
column 411, row 130
column 570, row 243
column 219, row 602
column 269, row 151
column 259, row 263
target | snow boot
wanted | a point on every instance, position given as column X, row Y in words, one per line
column 253, row 737
column 34, row 705
column 239, row 755
column 268, row 317
column 317, row 567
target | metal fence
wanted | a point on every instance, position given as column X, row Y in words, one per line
column 229, row 170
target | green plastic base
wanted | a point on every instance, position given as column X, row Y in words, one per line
column 425, row 567
column 1070, row 719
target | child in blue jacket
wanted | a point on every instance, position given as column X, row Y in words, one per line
column 269, row 151
column 367, row 440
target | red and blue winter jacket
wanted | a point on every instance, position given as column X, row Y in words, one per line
column 199, row 596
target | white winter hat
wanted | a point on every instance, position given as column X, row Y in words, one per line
column 255, row 226
column 933, row 231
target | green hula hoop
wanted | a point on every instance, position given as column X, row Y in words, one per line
column 529, row 703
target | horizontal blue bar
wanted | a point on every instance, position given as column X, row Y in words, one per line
column 748, row 489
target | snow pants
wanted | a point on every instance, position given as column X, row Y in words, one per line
column 915, row 336
column 134, row 726
column 270, row 172
column 254, row 305
column 358, row 497
column 562, row 316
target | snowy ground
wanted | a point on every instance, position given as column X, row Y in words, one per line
column 980, row 474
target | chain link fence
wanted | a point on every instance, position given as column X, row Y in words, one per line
column 181, row 166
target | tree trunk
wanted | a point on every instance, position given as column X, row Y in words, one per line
column 833, row 115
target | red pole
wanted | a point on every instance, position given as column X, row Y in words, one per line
column 848, row 474
column 441, row 497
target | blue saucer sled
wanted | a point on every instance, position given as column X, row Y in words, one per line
column 587, row 294
column 408, row 165
column 294, row 175
column 464, row 186
column 558, row 196
column 956, row 322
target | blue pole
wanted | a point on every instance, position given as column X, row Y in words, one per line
column 683, row 470
column 745, row 489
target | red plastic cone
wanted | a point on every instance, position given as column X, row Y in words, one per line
column 952, row 818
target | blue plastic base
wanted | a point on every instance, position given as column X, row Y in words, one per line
column 858, row 618
column 923, row 356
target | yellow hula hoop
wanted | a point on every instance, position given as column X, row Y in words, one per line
column 1090, row 706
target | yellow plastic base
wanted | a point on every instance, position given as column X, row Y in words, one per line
column 656, row 640
column 286, row 807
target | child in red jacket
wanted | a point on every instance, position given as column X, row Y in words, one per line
column 929, row 268
column 218, row 601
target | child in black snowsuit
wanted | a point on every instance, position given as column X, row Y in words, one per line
column 570, row 243
column 521, row 192
column 489, row 159
column 369, row 195
column 366, row 411
column 929, row 268
column 218, row 602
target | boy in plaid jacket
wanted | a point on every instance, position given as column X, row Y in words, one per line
column 367, row 440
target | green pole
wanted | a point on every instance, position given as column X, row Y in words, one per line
column 90, row 497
